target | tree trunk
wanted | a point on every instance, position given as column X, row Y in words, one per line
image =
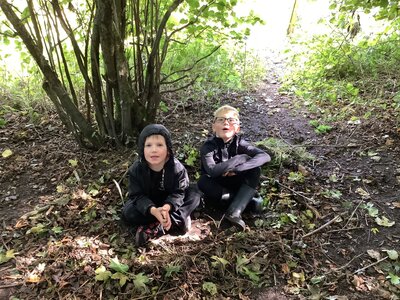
column 55, row 86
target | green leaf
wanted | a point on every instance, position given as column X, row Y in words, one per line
column 102, row 274
column 372, row 211
column 219, row 261
column 317, row 279
column 62, row 200
column 117, row 266
column 5, row 257
column 60, row 189
column 39, row 228
column 122, row 278
column 394, row 279
column 7, row 153
column 172, row 269
column 292, row 218
column 210, row 287
column 2, row 122
column 94, row 192
column 393, row 254
column 57, row 229
column 140, row 282
column 241, row 262
column 253, row 275
column 73, row 162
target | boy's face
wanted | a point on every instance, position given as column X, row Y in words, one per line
column 226, row 125
column 155, row 152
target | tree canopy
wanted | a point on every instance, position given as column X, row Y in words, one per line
column 103, row 62
column 383, row 9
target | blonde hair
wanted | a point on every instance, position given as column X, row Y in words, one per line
column 226, row 108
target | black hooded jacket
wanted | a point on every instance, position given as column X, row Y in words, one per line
column 237, row 156
column 148, row 188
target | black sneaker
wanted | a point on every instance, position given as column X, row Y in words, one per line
column 146, row 232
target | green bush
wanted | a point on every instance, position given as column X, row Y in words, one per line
column 342, row 79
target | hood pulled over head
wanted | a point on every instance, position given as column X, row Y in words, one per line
column 154, row 129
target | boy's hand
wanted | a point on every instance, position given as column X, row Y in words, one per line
column 228, row 174
column 162, row 217
column 165, row 209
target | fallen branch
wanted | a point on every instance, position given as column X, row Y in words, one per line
column 156, row 294
column 371, row 265
column 36, row 211
column 344, row 229
column 309, row 206
column 349, row 262
column 322, row 227
column 9, row 285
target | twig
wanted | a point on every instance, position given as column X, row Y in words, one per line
column 334, row 146
column 322, row 227
column 217, row 224
column 158, row 293
column 344, row 229
column 119, row 191
column 317, row 214
column 352, row 214
column 123, row 175
column 349, row 262
column 9, row 285
column 371, row 265
column 35, row 211
column 4, row 244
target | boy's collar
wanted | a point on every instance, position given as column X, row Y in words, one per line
column 228, row 142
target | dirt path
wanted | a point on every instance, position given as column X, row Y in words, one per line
column 314, row 237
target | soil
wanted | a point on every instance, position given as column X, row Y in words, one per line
column 317, row 239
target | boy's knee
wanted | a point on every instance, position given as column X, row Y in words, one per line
column 203, row 183
column 252, row 177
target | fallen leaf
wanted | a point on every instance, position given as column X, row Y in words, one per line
column 5, row 257
column 6, row 153
column 376, row 158
column 389, row 142
column 374, row 254
column 364, row 194
column 358, row 281
column 73, row 162
column 33, row 278
column 303, row 170
column 285, row 268
column 384, row 222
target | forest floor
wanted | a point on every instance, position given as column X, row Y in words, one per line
column 330, row 229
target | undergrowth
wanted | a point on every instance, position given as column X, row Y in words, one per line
column 283, row 153
column 340, row 79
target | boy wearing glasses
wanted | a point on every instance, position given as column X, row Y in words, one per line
column 230, row 167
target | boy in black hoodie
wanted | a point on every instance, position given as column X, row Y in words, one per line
column 230, row 167
column 159, row 197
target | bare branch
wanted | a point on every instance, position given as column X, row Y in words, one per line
column 180, row 88
column 190, row 68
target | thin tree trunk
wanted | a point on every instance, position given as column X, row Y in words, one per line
column 91, row 138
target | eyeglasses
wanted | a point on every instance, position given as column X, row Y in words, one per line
column 222, row 120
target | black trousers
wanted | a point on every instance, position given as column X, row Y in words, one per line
column 133, row 217
column 214, row 188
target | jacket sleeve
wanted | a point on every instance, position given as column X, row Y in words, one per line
column 215, row 170
column 181, row 183
column 136, row 192
column 257, row 157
